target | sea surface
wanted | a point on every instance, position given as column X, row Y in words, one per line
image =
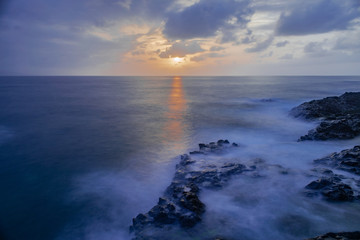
column 81, row 156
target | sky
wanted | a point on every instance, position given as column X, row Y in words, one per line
column 180, row 37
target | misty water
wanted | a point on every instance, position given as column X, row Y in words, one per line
column 81, row 156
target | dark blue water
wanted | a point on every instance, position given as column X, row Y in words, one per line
column 81, row 156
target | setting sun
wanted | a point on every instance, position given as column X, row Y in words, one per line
column 177, row 60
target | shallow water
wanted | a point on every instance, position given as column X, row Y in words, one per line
column 81, row 156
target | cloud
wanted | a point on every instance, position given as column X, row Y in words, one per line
column 205, row 18
column 282, row 44
column 206, row 56
column 247, row 40
column 318, row 16
column 216, row 48
column 315, row 49
column 61, row 37
column 181, row 49
column 261, row 46
column 286, row 57
column 350, row 42
column 138, row 52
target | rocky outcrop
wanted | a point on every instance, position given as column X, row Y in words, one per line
column 339, row 117
column 331, row 188
column 336, row 187
column 346, row 160
column 348, row 103
column 338, row 236
column 180, row 205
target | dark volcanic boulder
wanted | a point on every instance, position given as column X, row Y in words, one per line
column 339, row 116
column 335, row 187
column 347, row 160
column 348, row 103
column 331, row 189
column 343, row 127
column 339, row 236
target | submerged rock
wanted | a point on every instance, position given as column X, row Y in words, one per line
column 338, row 236
column 339, row 117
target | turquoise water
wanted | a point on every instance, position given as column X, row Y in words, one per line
column 81, row 156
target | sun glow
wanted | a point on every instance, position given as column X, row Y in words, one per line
column 177, row 60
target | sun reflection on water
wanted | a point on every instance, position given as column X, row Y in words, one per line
column 175, row 125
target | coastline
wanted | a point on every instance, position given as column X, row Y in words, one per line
column 181, row 207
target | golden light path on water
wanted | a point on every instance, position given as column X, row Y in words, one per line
column 175, row 126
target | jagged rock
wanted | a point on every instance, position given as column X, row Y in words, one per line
column 340, row 117
column 343, row 127
column 180, row 204
column 189, row 220
column 331, row 188
column 338, row 236
column 347, row 160
column 339, row 192
column 196, row 152
column 212, row 146
column 319, row 184
column 335, row 187
column 190, row 200
column 348, row 103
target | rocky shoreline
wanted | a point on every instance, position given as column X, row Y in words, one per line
column 338, row 117
column 181, row 207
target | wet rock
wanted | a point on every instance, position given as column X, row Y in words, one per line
column 232, row 168
column 203, row 146
column 322, row 171
column 319, row 184
column 337, row 187
column 185, row 160
column 348, row 103
column 139, row 222
column 181, row 204
column 338, row 236
column 197, row 152
column 190, row 201
column 213, row 146
column 347, row 160
column 339, row 192
column 339, row 116
column 332, row 189
column 189, row 220
column 343, row 127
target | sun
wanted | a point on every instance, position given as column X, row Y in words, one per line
column 177, row 60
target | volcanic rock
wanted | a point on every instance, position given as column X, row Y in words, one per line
column 339, row 117
column 338, row 236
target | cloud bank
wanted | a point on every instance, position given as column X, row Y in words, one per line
column 205, row 18
column 318, row 16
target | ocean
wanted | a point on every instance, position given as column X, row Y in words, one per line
column 81, row 156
